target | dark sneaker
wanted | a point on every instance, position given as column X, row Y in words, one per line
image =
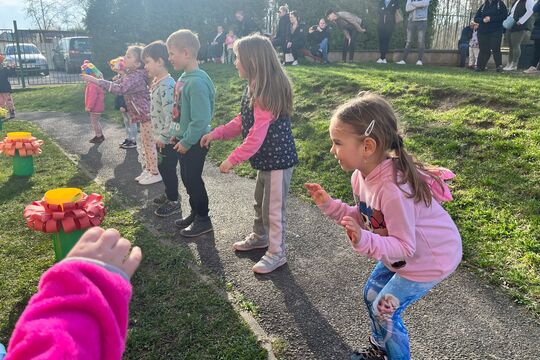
column 97, row 139
column 161, row 199
column 185, row 222
column 199, row 226
column 11, row 114
column 123, row 143
column 373, row 352
column 169, row 208
column 129, row 145
column 499, row 69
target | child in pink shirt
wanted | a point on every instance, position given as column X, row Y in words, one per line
column 265, row 125
column 229, row 42
column 397, row 218
column 81, row 308
column 94, row 104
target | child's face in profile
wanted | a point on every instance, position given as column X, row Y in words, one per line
column 131, row 60
column 240, row 68
column 153, row 67
column 231, row 33
column 346, row 147
column 178, row 58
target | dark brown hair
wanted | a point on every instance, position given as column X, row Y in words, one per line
column 358, row 113
column 156, row 50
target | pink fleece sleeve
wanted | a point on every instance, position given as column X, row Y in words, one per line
column 254, row 138
column 228, row 131
column 79, row 312
column 337, row 209
column 399, row 215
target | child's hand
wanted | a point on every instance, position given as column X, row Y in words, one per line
column 87, row 109
column 159, row 144
column 108, row 246
column 122, row 109
column 225, row 166
column 180, row 148
column 317, row 193
column 353, row 229
column 206, row 140
column 88, row 78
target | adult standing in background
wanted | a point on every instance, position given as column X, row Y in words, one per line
column 490, row 17
column 283, row 33
column 521, row 12
column 416, row 23
column 535, row 35
column 318, row 40
column 386, row 26
column 351, row 25
column 215, row 48
column 246, row 25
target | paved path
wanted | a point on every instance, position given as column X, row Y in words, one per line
column 314, row 302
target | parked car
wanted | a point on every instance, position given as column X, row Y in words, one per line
column 71, row 52
column 32, row 60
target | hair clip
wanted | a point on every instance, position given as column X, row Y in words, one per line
column 369, row 128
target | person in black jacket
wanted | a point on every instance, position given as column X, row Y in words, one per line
column 6, row 101
column 246, row 26
column 463, row 43
column 318, row 41
column 298, row 38
column 535, row 35
column 490, row 17
column 215, row 48
column 283, row 33
column 386, row 26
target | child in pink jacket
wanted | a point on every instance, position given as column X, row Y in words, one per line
column 81, row 308
column 397, row 218
column 94, row 104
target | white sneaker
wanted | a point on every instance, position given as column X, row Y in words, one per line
column 150, row 179
column 380, row 61
column 531, row 70
column 269, row 262
column 511, row 67
column 508, row 66
column 142, row 175
column 384, row 61
column 419, row 63
column 252, row 241
column 401, row 62
column 294, row 63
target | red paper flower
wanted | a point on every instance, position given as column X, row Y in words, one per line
column 26, row 147
column 50, row 218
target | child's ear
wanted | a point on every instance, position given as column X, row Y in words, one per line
column 370, row 146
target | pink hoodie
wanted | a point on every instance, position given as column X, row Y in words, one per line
column 94, row 98
column 398, row 229
column 79, row 312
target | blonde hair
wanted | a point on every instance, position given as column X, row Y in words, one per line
column 269, row 86
column 359, row 113
column 137, row 51
column 185, row 39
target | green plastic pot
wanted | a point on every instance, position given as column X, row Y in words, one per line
column 23, row 166
column 63, row 242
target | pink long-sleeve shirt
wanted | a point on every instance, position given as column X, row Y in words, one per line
column 396, row 229
column 79, row 312
column 253, row 140
column 94, row 98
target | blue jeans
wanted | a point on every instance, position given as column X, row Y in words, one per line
column 324, row 49
column 386, row 295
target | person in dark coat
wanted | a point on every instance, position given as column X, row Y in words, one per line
column 463, row 43
column 490, row 17
column 215, row 48
column 386, row 26
column 6, row 101
column 246, row 25
column 535, row 35
column 283, row 33
column 298, row 37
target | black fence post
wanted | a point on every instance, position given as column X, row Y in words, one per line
column 21, row 71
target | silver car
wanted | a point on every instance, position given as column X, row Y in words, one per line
column 32, row 60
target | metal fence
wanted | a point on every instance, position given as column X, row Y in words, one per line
column 36, row 57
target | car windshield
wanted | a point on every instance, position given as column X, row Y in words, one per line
column 82, row 45
column 25, row 49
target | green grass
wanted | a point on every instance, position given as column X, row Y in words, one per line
column 173, row 314
column 485, row 127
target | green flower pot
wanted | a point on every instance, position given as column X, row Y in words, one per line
column 63, row 242
column 23, row 166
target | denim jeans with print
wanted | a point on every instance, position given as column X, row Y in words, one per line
column 386, row 295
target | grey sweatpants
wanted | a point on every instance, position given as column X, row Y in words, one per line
column 271, row 192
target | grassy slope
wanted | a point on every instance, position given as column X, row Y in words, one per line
column 173, row 315
column 485, row 127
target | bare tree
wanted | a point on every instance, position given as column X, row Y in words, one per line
column 54, row 14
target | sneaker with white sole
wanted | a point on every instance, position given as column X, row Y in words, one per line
column 269, row 262
column 142, row 175
column 252, row 241
column 168, row 208
column 419, row 63
column 531, row 70
column 150, row 179
column 402, row 62
column 508, row 66
column 384, row 61
column 295, row 63
column 380, row 61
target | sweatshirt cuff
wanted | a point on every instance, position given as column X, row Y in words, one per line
column 106, row 266
column 185, row 144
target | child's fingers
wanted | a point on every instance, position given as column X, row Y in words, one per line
column 92, row 234
column 109, row 238
column 133, row 261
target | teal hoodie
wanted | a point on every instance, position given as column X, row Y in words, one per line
column 194, row 95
